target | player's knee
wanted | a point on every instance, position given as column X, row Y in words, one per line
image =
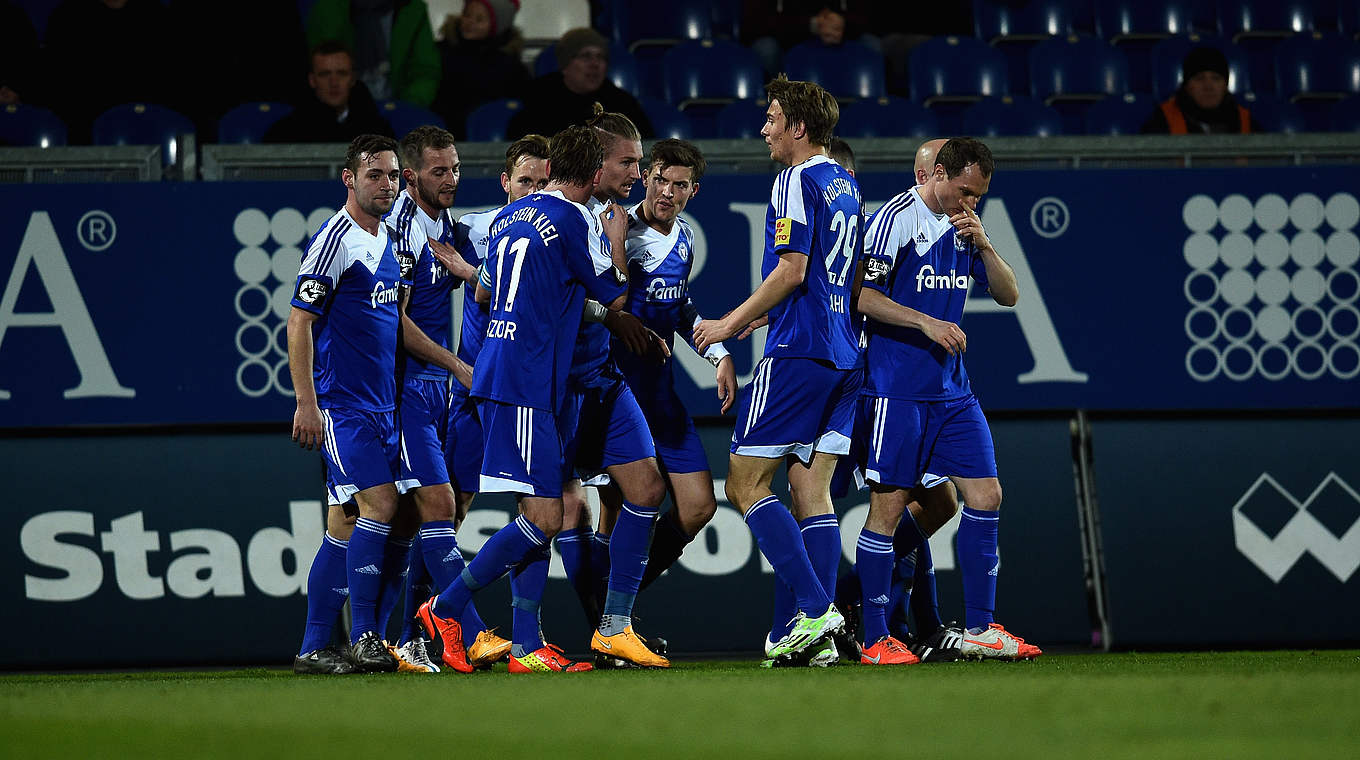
column 550, row 524
column 703, row 512
column 650, row 492
column 737, row 496
column 988, row 499
column 340, row 524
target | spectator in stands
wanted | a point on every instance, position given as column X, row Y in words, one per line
column 481, row 58
column 339, row 108
column 566, row 97
column 394, row 52
column 19, row 65
column 102, row 53
column 1202, row 104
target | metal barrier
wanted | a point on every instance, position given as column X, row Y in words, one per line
column 85, row 163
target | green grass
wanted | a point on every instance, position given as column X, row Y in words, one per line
column 1239, row 704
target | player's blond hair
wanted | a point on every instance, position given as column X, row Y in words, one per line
column 808, row 104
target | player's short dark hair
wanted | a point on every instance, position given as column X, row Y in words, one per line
column 672, row 152
column 808, row 104
column 575, row 154
column 613, row 125
column 840, row 152
column 367, row 145
column 328, row 47
column 535, row 146
column 959, row 152
column 414, row 144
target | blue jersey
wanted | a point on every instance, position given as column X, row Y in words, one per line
column 431, row 284
column 590, row 357
column 471, row 238
column 545, row 255
column 658, row 295
column 914, row 257
column 353, row 281
column 815, row 210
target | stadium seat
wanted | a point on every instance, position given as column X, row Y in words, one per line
column 31, row 126
column 1119, row 20
column 623, row 68
column 711, row 70
column 640, row 25
column 488, row 122
column 727, row 20
column 1168, row 54
column 1346, row 115
column 143, row 124
column 1011, row 116
column 887, row 117
column 247, row 123
column 539, row 20
column 1348, row 20
column 1317, row 65
column 945, row 69
column 666, row 120
column 1119, row 114
column 1071, row 72
column 1014, row 29
column 405, row 117
column 1276, row 114
column 849, row 70
column 1264, row 18
column 742, row 119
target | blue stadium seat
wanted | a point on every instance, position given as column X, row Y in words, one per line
column 1348, row 20
column 849, row 70
column 711, row 70
column 1069, row 73
column 742, row 119
column 1015, row 28
column 31, row 126
column 887, row 117
column 246, row 124
column 956, row 69
column 1275, row 114
column 666, row 119
column 143, row 124
column 1011, row 116
column 405, row 117
column 623, row 67
column 1317, row 65
column 1118, row 20
column 1168, row 54
column 1268, row 18
column 1346, row 115
column 488, row 122
column 647, row 24
column 1119, row 114
column 727, row 20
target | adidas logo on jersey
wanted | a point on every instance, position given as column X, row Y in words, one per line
column 368, row 570
column 928, row 280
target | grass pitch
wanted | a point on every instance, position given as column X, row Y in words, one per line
column 1240, row 704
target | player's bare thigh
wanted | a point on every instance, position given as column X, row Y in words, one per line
column 545, row 513
column 748, row 479
column 434, row 502
column 810, row 485
column 983, row 494
column 639, row 481
column 694, row 501
column 378, row 502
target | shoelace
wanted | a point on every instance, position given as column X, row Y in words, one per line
column 893, row 645
column 1005, row 632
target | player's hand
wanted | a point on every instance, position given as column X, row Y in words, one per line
column 453, row 260
column 614, row 220
column 756, row 325
column 969, row 227
column 710, row 331
column 947, row 334
column 727, row 383
column 636, row 336
column 462, row 372
column 307, row 427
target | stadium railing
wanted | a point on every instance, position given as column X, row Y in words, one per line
column 85, row 163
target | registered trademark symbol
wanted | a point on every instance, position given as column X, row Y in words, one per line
column 1049, row 217
column 96, row 230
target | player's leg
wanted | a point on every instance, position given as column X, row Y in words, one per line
column 574, row 545
column 694, row 506
column 809, row 490
column 366, row 558
column 327, row 591
column 639, row 483
column 395, row 568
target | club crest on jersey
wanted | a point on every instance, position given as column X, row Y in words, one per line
column 960, row 243
column 682, row 251
column 928, row 280
column 783, row 231
column 407, row 261
column 311, row 290
column 876, row 270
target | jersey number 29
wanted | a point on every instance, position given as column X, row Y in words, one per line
column 844, row 227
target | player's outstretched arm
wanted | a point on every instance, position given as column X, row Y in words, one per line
column 1000, row 277
column 788, row 274
column 879, row 307
column 307, row 423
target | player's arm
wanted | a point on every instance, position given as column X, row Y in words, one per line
column 418, row 344
column 453, row 261
column 716, row 354
column 307, row 422
column 614, row 222
column 877, row 306
column 788, row 274
column 882, row 250
column 1000, row 277
column 483, row 293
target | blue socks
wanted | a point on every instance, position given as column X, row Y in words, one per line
column 508, row 547
column 903, row 578
column 417, row 591
column 599, row 565
column 629, row 544
column 443, row 560
column 575, row 544
column 364, row 572
column 980, row 563
column 777, row 535
column 527, row 580
column 925, row 599
column 822, row 539
column 394, row 570
column 874, row 558
column 327, row 590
